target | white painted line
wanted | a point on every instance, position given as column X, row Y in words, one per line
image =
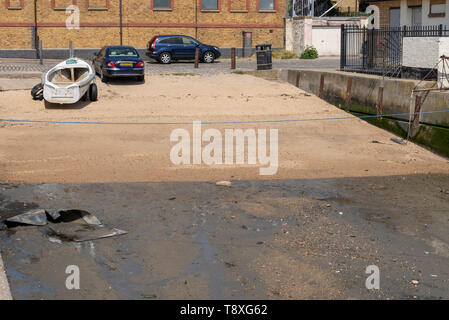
column 5, row 292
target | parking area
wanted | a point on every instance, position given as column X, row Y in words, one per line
column 152, row 67
column 223, row 65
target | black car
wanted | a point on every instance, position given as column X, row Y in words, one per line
column 118, row 61
column 165, row 49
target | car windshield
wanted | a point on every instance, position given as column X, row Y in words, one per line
column 122, row 52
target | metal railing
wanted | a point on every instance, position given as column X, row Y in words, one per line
column 379, row 51
column 426, row 31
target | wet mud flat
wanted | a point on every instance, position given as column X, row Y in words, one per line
column 275, row 239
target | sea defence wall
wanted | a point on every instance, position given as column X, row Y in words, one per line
column 363, row 94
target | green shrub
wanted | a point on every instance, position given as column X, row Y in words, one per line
column 309, row 53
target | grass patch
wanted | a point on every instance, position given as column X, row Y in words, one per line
column 276, row 54
column 391, row 125
column 238, row 72
column 182, row 74
column 284, row 54
column 436, row 138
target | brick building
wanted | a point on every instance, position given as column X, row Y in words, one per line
column 396, row 13
column 348, row 5
column 135, row 22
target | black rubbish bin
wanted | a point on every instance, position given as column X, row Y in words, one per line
column 264, row 57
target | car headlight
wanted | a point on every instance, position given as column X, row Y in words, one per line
column 216, row 49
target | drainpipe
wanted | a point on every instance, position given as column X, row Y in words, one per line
column 196, row 19
column 121, row 23
column 35, row 34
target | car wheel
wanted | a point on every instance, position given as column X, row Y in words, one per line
column 208, row 57
column 103, row 77
column 141, row 78
column 165, row 57
column 38, row 92
column 93, row 92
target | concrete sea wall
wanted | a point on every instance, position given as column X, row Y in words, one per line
column 359, row 94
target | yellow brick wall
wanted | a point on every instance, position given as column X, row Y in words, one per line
column 140, row 23
column 45, row 14
column 55, row 37
column 343, row 6
column 17, row 16
column 238, row 5
column 97, row 3
column 139, row 11
column 234, row 36
column 139, row 37
column 15, row 38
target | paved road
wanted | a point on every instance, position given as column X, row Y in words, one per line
column 220, row 66
column 223, row 66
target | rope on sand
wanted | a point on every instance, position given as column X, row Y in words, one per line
column 221, row 122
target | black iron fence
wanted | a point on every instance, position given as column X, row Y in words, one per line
column 379, row 51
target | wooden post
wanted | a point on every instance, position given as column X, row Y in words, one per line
column 380, row 101
column 348, row 92
column 197, row 57
column 321, row 85
column 35, row 33
column 70, row 49
column 232, row 58
column 298, row 77
column 415, row 125
column 40, row 52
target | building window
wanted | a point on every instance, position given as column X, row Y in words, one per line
column 437, row 10
column 162, row 4
column 416, row 16
column 61, row 5
column 14, row 4
column 267, row 5
column 238, row 5
column 97, row 5
column 213, row 5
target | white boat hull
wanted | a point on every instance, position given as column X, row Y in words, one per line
column 68, row 90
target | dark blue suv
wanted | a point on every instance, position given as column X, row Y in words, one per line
column 165, row 49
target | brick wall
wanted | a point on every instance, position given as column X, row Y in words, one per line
column 353, row 5
column 384, row 7
column 15, row 37
column 100, row 22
